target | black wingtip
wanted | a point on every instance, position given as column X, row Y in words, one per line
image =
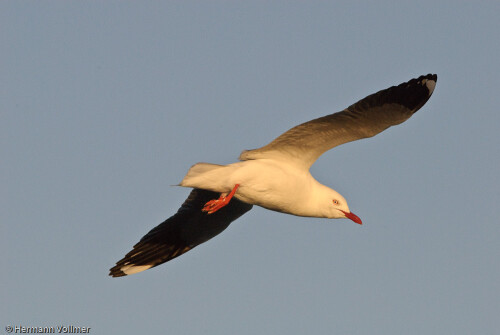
column 428, row 82
column 412, row 94
column 124, row 268
column 116, row 272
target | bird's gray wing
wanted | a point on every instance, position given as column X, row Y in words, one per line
column 180, row 233
column 304, row 143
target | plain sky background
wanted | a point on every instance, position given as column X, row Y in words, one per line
column 105, row 105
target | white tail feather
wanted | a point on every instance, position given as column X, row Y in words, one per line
column 208, row 177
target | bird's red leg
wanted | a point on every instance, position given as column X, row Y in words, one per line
column 214, row 205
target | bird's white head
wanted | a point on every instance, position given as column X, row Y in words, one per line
column 335, row 206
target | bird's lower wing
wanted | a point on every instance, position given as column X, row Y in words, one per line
column 304, row 143
column 180, row 233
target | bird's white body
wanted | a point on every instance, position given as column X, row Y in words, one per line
column 272, row 184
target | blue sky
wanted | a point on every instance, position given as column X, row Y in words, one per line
column 105, row 105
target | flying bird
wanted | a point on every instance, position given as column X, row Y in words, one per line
column 275, row 176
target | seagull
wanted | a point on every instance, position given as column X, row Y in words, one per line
column 275, row 176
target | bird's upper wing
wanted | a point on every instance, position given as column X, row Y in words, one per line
column 180, row 233
column 304, row 143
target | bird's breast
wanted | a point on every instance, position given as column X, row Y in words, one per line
column 272, row 185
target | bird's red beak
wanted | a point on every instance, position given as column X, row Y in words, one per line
column 352, row 216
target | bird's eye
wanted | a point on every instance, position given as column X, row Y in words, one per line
column 335, row 201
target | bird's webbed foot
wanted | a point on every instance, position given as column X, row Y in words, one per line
column 213, row 206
